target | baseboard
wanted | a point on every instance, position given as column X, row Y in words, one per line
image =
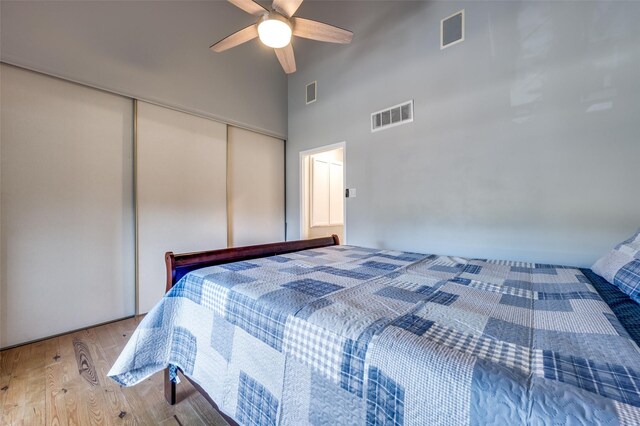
column 64, row 333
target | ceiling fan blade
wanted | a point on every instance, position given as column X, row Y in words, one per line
column 315, row 30
column 239, row 37
column 286, row 7
column 287, row 59
column 249, row 6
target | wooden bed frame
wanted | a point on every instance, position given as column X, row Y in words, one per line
column 178, row 265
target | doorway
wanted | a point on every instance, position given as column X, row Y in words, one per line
column 322, row 182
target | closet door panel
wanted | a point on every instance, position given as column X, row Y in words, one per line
column 255, row 188
column 181, row 191
column 67, row 221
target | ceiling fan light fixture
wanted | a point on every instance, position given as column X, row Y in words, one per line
column 276, row 26
column 274, row 31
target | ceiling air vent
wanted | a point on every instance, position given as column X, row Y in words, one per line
column 452, row 30
column 394, row 116
column 312, row 92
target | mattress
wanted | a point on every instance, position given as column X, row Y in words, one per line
column 349, row 335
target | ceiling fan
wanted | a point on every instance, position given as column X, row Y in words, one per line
column 275, row 28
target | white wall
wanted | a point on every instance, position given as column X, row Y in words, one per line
column 67, row 206
column 525, row 139
column 152, row 50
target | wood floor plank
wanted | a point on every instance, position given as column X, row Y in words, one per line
column 150, row 392
column 86, row 347
column 7, row 361
column 35, row 360
column 72, row 403
column 85, row 362
column 52, row 351
column 95, row 404
column 14, row 401
column 105, row 336
column 34, row 414
column 67, row 359
column 36, row 386
column 73, row 385
column 35, row 371
column 56, row 409
column 117, row 408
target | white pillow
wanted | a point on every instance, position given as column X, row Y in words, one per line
column 621, row 266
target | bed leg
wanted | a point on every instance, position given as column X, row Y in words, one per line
column 169, row 388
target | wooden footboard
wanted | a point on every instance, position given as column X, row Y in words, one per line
column 178, row 265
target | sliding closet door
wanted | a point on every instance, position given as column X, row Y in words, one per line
column 181, row 191
column 255, row 187
column 67, row 221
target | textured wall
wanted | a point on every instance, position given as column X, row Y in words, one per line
column 525, row 140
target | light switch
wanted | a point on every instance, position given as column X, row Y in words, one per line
column 350, row 193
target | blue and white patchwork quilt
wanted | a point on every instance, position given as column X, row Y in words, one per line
column 347, row 335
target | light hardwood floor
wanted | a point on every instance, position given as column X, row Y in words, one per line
column 62, row 381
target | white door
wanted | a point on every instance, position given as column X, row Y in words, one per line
column 255, row 188
column 181, row 191
column 336, row 194
column 322, row 192
column 67, row 206
column 320, row 195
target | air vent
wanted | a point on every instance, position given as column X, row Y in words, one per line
column 452, row 30
column 312, row 92
column 394, row 116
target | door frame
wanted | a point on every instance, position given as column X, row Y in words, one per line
column 301, row 170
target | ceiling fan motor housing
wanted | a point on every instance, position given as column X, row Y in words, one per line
column 274, row 30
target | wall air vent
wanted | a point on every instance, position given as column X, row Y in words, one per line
column 394, row 116
column 452, row 30
column 312, row 92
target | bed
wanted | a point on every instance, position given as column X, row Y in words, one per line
column 313, row 332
